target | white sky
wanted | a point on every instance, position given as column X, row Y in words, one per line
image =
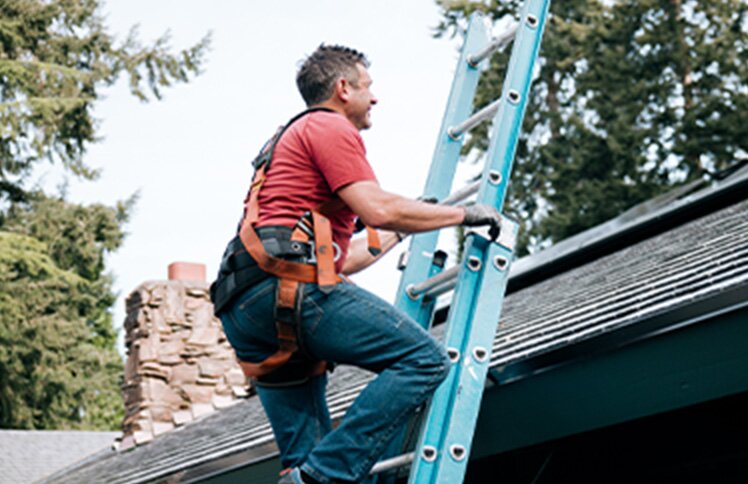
column 189, row 154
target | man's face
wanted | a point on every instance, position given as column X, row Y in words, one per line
column 360, row 100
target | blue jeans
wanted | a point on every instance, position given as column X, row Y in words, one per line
column 347, row 326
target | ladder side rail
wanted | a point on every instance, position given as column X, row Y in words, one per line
column 432, row 429
column 470, row 298
column 476, row 358
column 444, row 162
column 420, row 252
column 507, row 123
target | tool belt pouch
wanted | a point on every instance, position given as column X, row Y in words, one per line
column 237, row 272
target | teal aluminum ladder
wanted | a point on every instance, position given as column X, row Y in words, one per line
column 479, row 281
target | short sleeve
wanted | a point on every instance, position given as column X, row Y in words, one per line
column 338, row 150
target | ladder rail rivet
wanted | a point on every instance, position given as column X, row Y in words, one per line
column 494, row 177
column 402, row 261
column 410, row 293
column 480, row 354
column 457, row 452
column 532, row 21
column 473, row 263
column 428, row 453
column 453, row 133
column 454, row 354
column 500, row 262
column 514, row 96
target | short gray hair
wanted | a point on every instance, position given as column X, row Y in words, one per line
column 319, row 72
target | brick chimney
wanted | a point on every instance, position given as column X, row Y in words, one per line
column 179, row 364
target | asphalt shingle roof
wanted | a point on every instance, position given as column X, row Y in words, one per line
column 690, row 263
column 29, row 455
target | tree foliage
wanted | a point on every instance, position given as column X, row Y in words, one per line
column 58, row 364
column 632, row 97
column 55, row 56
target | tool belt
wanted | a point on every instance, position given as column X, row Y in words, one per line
column 238, row 271
column 304, row 254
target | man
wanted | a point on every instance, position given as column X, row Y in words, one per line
column 318, row 158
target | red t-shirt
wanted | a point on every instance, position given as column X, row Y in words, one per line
column 317, row 155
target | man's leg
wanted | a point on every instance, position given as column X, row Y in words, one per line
column 298, row 415
column 352, row 326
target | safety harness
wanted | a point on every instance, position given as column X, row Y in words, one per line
column 313, row 233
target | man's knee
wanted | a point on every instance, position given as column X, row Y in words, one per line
column 437, row 364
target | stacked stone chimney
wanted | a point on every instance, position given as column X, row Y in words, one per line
column 179, row 364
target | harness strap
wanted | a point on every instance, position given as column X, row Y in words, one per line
column 372, row 236
column 373, row 242
column 273, row 265
column 326, row 277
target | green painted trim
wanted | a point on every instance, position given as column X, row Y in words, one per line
column 693, row 364
column 265, row 472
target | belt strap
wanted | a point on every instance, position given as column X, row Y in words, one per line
column 326, row 277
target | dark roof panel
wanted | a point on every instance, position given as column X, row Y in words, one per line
column 685, row 266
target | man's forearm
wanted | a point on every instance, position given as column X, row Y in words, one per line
column 359, row 257
column 406, row 215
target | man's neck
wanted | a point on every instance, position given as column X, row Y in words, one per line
column 331, row 105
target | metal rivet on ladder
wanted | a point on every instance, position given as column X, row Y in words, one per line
column 402, row 261
column 532, row 21
column 514, row 96
column 409, row 292
column 453, row 133
column 494, row 177
column 440, row 259
column 500, row 262
column 473, row 263
column 454, row 354
column 480, row 354
column 457, row 452
column 428, row 453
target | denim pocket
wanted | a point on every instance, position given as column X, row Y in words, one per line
column 256, row 308
column 311, row 314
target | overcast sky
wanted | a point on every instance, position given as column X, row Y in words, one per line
column 189, row 154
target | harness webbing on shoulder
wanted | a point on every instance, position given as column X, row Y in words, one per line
column 291, row 274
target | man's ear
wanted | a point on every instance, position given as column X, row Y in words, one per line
column 342, row 89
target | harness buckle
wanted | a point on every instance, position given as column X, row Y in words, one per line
column 313, row 257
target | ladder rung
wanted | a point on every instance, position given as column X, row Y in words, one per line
column 496, row 44
column 484, row 114
column 442, row 288
column 392, row 463
column 462, row 193
column 416, row 290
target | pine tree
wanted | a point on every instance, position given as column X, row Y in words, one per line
column 632, row 98
column 58, row 364
column 55, row 56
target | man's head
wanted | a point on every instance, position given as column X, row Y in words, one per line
column 336, row 76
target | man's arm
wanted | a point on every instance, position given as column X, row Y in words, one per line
column 384, row 210
column 359, row 257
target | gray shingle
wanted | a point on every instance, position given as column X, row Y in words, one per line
column 29, row 455
column 682, row 266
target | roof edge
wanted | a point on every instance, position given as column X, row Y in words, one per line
column 661, row 214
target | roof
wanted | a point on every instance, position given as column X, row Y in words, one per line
column 591, row 299
column 29, row 455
